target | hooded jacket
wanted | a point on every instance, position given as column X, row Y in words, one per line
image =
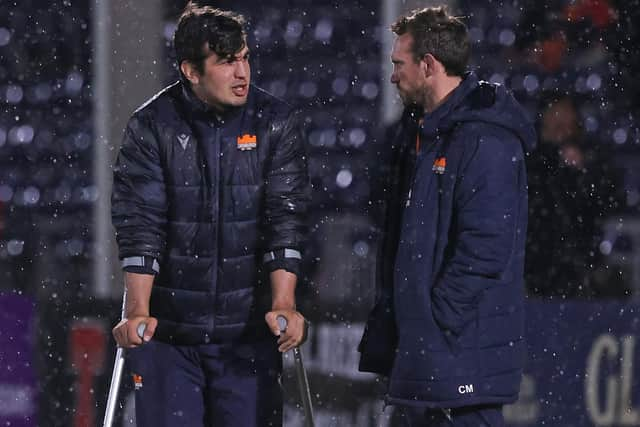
column 448, row 325
column 216, row 202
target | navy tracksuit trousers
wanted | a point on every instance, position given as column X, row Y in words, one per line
column 468, row 416
column 210, row 385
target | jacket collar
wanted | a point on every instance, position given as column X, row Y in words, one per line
column 437, row 119
column 203, row 110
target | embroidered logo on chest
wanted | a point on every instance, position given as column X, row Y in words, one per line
column 247, row 142
column 439, row 165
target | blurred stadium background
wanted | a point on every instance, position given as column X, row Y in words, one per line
column 71, row 73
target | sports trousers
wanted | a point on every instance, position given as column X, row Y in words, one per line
column 470, row 416
column 210, row 385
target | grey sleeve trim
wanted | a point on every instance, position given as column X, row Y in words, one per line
column 287, row 253
column 138, row 261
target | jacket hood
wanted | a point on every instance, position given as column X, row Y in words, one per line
column 481, row 101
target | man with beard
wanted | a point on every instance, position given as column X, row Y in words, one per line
column 448, row 323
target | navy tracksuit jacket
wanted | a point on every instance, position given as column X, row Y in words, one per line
column 212, row 205
column 448, row 324
column 209, row 199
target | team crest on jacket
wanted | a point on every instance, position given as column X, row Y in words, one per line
column 137, row 381
column 247, row 142
column 439, row 165
column 183, row 139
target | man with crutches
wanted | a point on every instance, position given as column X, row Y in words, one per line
column 209, row 201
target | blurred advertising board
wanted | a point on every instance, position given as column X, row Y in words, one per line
column 18, row 386
column 582, row 368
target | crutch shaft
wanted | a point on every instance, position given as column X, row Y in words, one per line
column 303, row 386
column 114, row 389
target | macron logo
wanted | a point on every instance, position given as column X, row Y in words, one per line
column 465, row 389
column 183, row 139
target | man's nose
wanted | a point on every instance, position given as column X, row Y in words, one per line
column 242, row 69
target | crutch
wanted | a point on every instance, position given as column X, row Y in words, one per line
column 301, row 378
column 116, row 376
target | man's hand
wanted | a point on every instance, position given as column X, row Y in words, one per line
column 296, row 332
column 283, row 303
column 126, row 331
column 138, row 293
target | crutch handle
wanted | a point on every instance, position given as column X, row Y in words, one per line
column 282, row 323
column 141, row 328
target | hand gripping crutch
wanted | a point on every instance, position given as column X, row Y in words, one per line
column 116, row 376
column 301, row 378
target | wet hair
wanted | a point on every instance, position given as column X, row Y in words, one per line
column 202, row 27
column 438, row 33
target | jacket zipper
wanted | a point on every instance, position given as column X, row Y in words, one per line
column 216, row 213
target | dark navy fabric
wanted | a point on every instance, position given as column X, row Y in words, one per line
column 471, row 416
column 187, row 193
column 378, row 347
column 209, row 385
column 457, row 290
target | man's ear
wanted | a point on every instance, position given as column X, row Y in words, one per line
column 429, row 65
column 190, row 72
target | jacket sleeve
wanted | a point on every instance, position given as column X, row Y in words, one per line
column 287, row 196
column 486, row 215
column 139, row 201
column 379, row 340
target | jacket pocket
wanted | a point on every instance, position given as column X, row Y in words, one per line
column 457, row 318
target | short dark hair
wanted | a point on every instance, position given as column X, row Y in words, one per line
column 199, row 26
column 437, row 32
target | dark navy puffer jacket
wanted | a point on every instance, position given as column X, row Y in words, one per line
column 449, row 327
column 208, row 197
